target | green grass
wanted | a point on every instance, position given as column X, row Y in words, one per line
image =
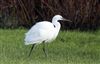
column 70, row 47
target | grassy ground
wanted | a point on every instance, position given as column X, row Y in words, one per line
column 71, row 47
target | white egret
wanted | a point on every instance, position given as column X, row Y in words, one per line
column 43, row 32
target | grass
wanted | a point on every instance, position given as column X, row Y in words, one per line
column 70, row 47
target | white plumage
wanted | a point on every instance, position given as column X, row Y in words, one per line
column 43, row 31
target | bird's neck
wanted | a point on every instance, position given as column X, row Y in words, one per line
column 56, row 25
column 56, row 28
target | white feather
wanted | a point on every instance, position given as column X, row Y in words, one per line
column 43, row 31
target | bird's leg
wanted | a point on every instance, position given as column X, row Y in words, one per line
column 44, row 49
column 31, row 49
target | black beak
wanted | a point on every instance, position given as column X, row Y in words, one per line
column 66, row 20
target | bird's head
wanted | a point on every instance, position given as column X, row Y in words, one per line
column 59, row 17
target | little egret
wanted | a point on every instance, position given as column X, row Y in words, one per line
column 43, row 32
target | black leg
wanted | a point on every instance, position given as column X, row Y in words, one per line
column 44, row 49
column 31, row 49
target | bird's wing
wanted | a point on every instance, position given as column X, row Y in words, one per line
column 39, row 32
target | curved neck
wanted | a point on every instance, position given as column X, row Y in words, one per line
column 56, row 28
column 56, row 24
